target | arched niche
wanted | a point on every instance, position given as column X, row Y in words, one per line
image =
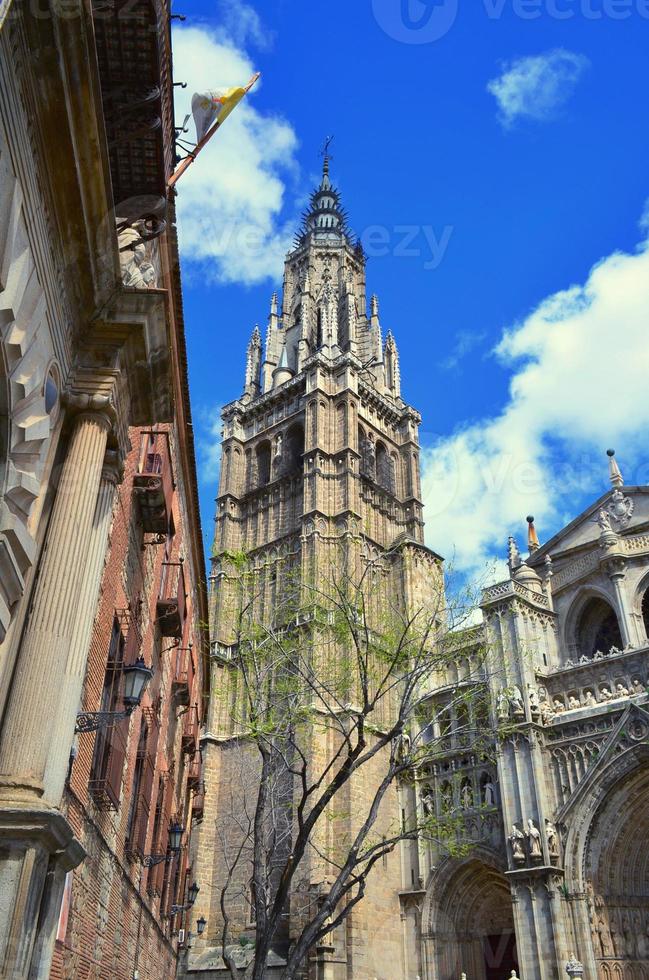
column 263, row 454
column 597, row 628
column 294, row 448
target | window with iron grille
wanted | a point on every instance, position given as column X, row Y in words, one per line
column 110, row 743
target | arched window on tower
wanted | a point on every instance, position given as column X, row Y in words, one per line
column 263, row 463
column 319, row 338
column 598, row 630
column 384, row 472
column 645, row 611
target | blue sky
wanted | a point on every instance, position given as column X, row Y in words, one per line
column 493, row 156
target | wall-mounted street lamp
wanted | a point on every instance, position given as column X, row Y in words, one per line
column 176, row 831
column 136, row 678
column 192, row 894
column 200, row 925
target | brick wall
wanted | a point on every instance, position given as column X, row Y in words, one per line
column 118, row 917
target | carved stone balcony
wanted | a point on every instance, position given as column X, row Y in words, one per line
column 153, row 484
column 171, row 605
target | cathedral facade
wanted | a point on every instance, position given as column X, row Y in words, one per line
column 552, row 877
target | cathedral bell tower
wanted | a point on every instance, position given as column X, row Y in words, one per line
column 321, row 438
column 320, row 457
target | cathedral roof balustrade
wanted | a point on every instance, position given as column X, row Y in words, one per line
column 512, row 590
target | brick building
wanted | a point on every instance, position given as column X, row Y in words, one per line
column 127, row 783
column 92, row 360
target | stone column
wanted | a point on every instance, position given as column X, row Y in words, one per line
column 38, row 685
column 75, row 668
column 38, row 845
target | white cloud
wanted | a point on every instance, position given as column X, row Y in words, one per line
column 579, row 367
column 209, row 444
column 644, row 218
column 243, row 24
column 230, row 200
column 466, row 341
column 537, row 87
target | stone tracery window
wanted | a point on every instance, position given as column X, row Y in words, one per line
column 598, row 629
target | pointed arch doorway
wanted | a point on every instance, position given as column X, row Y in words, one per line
column 470, row 922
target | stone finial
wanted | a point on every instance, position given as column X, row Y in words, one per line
column 273, row 305
column 574, row 968
column 532, row 536
column 513, row 555
column 614, row 472
column 374, row 306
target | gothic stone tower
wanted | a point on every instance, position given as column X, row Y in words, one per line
column 320, row 448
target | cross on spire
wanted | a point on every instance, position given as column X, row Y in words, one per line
column 324, row 152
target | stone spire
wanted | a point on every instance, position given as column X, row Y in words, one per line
column 253, row 361
column 532, row 536
column 615, row 474
column 325, row 219
column 391, row 361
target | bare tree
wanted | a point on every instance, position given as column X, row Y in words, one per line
column 339, row 663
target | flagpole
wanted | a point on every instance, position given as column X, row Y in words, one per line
column 189, row 159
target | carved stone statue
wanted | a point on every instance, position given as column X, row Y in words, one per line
column 489, row 793
column 502, row 706
column 606, row 694
column 621, row 691
column 573, row 702
column 136, row 270
column 604, row 521
column 589, row 699
column 534, row 840
column 516, row 700
column 533, row 698
column 547, row 712
column 603, row 936
column 467, row 796
column 552, row 838
column 638, row 687
column 428, row 803
column 558, row 706
column 517, row 844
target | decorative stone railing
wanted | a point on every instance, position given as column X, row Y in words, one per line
column 506, row 590
column 575, row 688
